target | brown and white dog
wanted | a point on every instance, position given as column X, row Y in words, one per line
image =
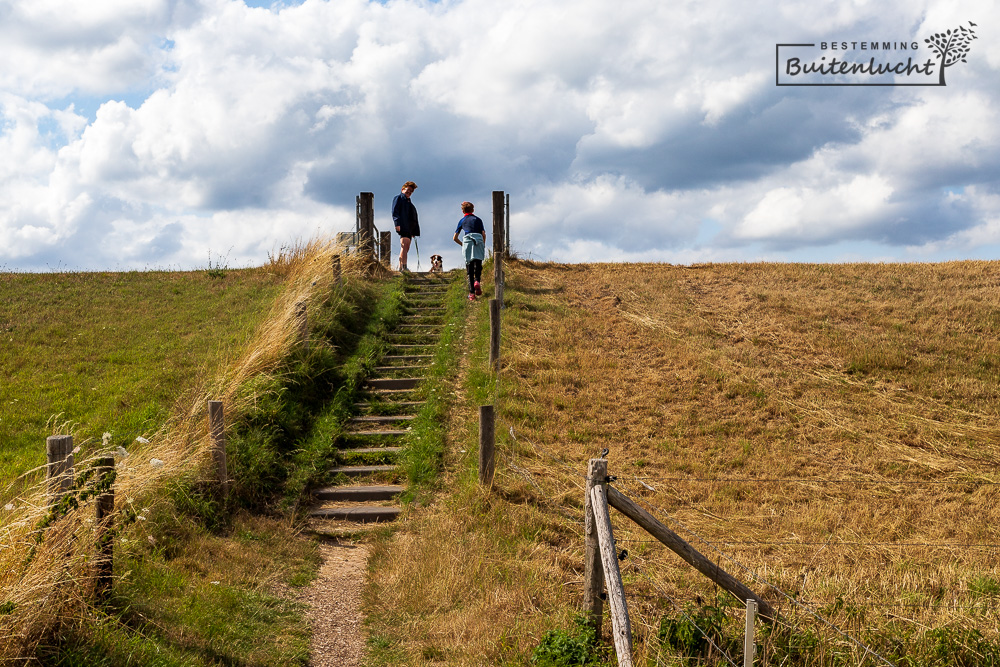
column 436, row 266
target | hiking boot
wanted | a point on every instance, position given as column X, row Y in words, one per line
column 472, row 297
column 479, row 289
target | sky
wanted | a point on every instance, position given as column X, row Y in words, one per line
column 184, row 134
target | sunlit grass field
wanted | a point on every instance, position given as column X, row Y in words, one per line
column 90, row 353
column 828, row 434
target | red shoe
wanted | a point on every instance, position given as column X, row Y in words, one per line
column 472, row 297
column 479, row 290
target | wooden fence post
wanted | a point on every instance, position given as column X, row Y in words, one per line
column 337, row 279
column 593, row 573
column 498, row 244
column 105, row 524
column 384, row 241
column 366, row 225
column 494, row 334
column 59, row 468
column 302, row 317
column 487, row 444
column 506, row 227
column 217, row 429
column 620, row 625
column 750, row 640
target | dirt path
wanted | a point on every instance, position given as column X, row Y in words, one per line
column 335, row 606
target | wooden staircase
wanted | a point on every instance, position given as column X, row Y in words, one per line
column 367, row 473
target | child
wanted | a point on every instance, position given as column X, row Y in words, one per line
column 474, row 247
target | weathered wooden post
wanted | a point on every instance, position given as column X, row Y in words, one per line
column 337, row 278
column 487, row 444
column 749, row 639
column 506, row 227
column 366, row 225
column 302, row 318
column 105, row 525
column 385, row 240
column 620, row 625
column 217, row 430
column 498, row 237
column 59, row 468
column 494, row 334
column 593, row 573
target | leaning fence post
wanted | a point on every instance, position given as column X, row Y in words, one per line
column 750, row 641
column 105, row 525
column 59, row 468
column 487, row 443
column 494, row 334
column 593, row 573
column 217, row 430
column 620, row 625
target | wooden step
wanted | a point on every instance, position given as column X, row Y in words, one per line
column 407, row 357
column 363, row 514
column 390, row 369
column 381, row 419
column 390, row 404
column 366, row 493
column 371, row 450
column 355, row 471
column 395, row 432
column 394, row 383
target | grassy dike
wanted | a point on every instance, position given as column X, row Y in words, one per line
column 200, row 580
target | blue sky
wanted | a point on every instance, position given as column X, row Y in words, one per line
column 155, row 133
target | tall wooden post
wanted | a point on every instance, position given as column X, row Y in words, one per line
column 487, row 444
column 495, row 334
column 498, row 236
column 105, row 524
column 335, row 263
column 385, row 240
column 750, row 638
column 620, row 624
column 506, row 227
column 366, row 225
column 59, row 468
column 593, row 572
column 217, row 430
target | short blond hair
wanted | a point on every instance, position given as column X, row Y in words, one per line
column 467, row 207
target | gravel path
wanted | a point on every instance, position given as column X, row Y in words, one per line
column 335, row 606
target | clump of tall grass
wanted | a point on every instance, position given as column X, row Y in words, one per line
column 47, row 553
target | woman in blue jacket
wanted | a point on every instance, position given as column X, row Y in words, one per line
column 474, row 247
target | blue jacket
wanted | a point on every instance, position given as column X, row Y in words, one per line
column 404, row 216
column 470, row 223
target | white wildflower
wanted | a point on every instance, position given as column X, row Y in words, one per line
column 105, row 439
column 156, row 463
column 215, row 583
column 9, row 506
column 142, row 440
column 76, row 450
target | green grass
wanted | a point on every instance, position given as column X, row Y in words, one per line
column 111, row 352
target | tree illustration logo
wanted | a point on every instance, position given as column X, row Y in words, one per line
column 951, row 47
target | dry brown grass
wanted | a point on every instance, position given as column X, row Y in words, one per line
column 46, row 574
column 829, row 429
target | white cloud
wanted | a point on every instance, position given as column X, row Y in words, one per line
column 162, row 127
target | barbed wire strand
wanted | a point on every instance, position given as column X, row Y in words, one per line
column 792, row 600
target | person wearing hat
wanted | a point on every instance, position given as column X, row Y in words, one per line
column 404, row 218
column 473, row 246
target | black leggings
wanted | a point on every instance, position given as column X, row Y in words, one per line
column 475, row 271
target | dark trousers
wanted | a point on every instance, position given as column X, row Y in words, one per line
column 475, row 271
